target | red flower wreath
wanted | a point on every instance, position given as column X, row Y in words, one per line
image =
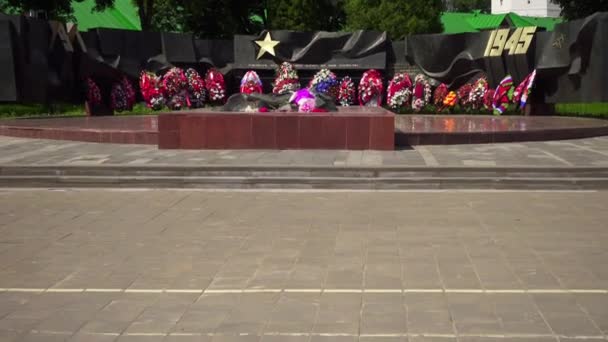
column 371, row 88
column 464, row 94
column 346, row 94
column 399, row 91
column 440, row 94
column 151, row 90
column 197, row 93
column 175, row 86
column 251, row 83
column 93, row 92
column 216, row 87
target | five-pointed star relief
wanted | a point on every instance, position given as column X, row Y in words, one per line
column 266, row 45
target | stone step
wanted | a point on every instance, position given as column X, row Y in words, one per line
column 303, row 177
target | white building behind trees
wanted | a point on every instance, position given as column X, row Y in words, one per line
column 531, row 8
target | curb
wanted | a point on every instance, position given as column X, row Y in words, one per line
column 303, row 177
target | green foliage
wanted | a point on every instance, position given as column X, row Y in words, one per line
column 168, row 16
column 55, row 9
column 39, row 110
column 472, row 5
column 599, row 109
column 12, row 111
column 398, row 17
column 575, row 9
column 219, row 18
column 7, row 8
column 305, row 15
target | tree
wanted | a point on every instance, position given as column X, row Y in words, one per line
column 472, row 5
column 145, row 9
column 398, row 17
column 576, row 9
column 55, row 9
column 305, row 15
column 220, row 18
column 167, row 16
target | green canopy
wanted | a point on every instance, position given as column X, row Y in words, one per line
column 458, row 22
column 122, row 16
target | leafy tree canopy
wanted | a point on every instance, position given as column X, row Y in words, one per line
column 305, row 15
column 398, row 17
column 54, row 9
column 575, row 9
column 472, row 5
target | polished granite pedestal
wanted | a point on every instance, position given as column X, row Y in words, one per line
column 483, row 129
column 351, row 128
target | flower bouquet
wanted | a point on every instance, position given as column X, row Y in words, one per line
column 286, row 81
column 325, row 82
column 197, row 93
column 251, row 83
column 464, row 93
column 304, row 99
column 216, row 87
column 488, row 99
column 175, row 86
column 93, row 93
column 151, row 90
column 371, row 89
column 422, row 93
column 399, row 91
column 118, row 98
column 440, row 94
column 450, row 100
column 477, row 94
column 346, row 95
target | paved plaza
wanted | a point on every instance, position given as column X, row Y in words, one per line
column 592, row 152
column 161, row 265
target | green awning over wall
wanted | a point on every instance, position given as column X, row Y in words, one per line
column 458, row 22
column 122, row 16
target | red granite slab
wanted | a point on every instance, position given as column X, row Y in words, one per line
column 358, row 132
column 192, row 133
column 333, row 132
column 287, row 132
column 280, row 130
column 380, row 138
column 264, row 131
column 311, row 128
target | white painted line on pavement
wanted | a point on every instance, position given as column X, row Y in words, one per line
column 313, row 191
column 262, row 290
column 276, row 290
column 308, row 334
column 184, row 291
column 144, row 290
column 298, row 334
column 382, row 291
column 104, row 290
column 24, row 290
column 65, row 290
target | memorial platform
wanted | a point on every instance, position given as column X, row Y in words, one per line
column 351, row 128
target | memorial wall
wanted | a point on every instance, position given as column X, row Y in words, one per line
column 42, row 61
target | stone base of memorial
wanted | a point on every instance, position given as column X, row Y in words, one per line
column 97, row 110
column 351, row 128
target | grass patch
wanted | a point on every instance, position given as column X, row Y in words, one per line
column 596, row 110
column 38, row 110
column 12, row 111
